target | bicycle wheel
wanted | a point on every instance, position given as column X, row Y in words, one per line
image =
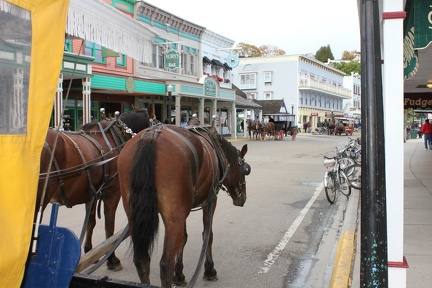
column 343, row 184
column 354, row 172
column 357, row 156
column 347, row 165
column 329, row 187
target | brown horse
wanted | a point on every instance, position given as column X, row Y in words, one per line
column 171, row 170
column 267, row 130
column 254, row 128
column 84, row 170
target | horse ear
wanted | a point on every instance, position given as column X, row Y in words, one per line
column 150, row 111
column 244, row 150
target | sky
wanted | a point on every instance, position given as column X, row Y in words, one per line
column 298, row 27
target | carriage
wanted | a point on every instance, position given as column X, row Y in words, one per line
column 284, row 129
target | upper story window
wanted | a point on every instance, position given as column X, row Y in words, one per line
column 94, row 50
column 248, row 81
column 158, row 56
column 268, row 95
column 192, row 64
column 268, row 77
column 121, row 60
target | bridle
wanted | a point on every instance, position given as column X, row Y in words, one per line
column 244, row 170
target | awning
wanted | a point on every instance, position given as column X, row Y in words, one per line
column 242, row 103
column 206, row 60
column 99, row 22
column 217, row 63
column 226, row 67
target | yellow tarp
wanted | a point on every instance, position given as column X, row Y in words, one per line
column 19, row 154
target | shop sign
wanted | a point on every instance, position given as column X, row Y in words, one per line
column 210, row 88
column 314, row 114
column 172, row 59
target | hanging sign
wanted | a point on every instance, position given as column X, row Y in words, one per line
column 232, row 60
column 172, row 59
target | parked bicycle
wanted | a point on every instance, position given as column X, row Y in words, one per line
column 350, row 162
column 335, row 179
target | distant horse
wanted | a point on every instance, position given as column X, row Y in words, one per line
column 170, row 170
column 254, row 128
column 268, row 129
column 77, row 175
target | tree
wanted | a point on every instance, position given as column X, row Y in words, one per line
column 346, row 55
column 324, row 53
column 348, row 67
column 248, row 50
column 268, row 50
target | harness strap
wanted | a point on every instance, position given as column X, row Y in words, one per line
column 61, row 182
column 195, row 154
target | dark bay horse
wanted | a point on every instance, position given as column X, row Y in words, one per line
column 77, row 174
column 170, row 170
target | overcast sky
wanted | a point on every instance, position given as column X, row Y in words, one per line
column 298, row 27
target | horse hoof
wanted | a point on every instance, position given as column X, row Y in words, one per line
column 179, row 281
column 114, row 266
column 211, row 276
column 210, row 279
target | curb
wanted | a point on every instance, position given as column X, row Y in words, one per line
column 346, row 249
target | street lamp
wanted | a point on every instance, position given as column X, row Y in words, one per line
column 292, row 108
column 169, row 90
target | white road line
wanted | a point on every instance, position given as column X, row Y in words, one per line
column 271, row 258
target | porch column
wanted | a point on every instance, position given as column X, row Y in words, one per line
column 233, row 120
column 86, row 100
column 201, row 110
column 177, row 109
column 393, row 93
column 214, row 110
column 58, row 104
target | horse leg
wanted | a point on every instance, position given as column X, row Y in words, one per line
column 173, row 242
column 179, row 277
column 111, row 201
column 143, row 268
column 210, row 273
column 90, row 226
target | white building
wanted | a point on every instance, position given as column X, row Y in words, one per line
column 314, row 91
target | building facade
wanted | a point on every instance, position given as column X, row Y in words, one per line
column 311, row 90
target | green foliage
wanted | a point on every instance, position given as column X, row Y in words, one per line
column 348, row 67
column 324, row 53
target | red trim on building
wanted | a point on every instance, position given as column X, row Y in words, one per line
column 394, row 15
column 403, row 264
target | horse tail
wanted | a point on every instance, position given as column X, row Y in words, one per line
column 144, row 218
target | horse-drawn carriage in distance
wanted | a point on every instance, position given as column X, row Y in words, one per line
column 284, row 129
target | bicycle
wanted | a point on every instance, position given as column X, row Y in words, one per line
column 335, row 179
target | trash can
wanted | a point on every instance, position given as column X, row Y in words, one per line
column 413, row 134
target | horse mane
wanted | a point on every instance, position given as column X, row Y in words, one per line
column 136, row 120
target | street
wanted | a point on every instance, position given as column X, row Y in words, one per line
column 270, row 242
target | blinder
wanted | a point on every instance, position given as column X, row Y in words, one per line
column 245, row 168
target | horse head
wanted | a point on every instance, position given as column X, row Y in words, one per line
column 235, row 182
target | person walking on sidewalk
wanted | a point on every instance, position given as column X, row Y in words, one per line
column 427, row 132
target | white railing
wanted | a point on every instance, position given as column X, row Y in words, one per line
column 313, row 84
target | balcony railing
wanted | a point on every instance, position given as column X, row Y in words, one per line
column 307, row 83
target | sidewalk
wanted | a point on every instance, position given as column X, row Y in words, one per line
column 417, row 224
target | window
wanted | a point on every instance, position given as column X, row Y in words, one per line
column 121, row 60
column 191, row 62
column 184, row 63
column 16, row 38
column 251, row 96
column 68, row 45
column 267, row 77
column 268, row 95
column 158, row 56
column 94, row 50
column 248, row 81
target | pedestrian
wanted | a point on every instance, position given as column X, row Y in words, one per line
column 309, row 127
column 305, row 127
column 427, row 132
